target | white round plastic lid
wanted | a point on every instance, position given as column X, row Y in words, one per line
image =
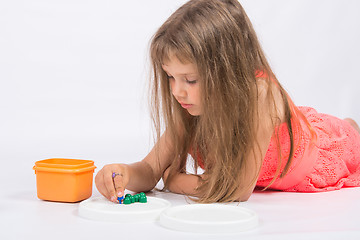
column 209, row 218
column 101, row 209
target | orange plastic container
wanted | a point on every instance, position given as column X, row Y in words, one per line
column 64, row 180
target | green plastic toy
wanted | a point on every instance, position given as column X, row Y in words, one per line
column 140, row 197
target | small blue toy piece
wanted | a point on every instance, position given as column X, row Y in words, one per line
column 120, row 199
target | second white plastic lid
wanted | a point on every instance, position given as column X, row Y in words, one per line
column 209, row 218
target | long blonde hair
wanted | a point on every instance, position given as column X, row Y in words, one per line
column 218, row 37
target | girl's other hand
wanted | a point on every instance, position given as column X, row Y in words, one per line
column 111, row 181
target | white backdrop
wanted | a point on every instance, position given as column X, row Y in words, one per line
column 73, row 79
column 73, row 72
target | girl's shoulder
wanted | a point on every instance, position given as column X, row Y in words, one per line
column 270, row 99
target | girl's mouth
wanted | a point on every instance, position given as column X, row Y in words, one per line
column 186, row 106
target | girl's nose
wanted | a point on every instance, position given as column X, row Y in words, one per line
column 177, row 89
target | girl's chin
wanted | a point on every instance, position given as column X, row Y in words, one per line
column 193, row 113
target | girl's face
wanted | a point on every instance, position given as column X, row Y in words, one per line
column 184, row 83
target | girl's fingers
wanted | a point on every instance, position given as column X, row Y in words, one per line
column 119, row 185
column 114, row 181
column 99, row 182
column 121, row 179
column 109, row 184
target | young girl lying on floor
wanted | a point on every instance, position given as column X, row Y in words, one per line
column 220, row 102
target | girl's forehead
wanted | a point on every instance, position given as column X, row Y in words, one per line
column 175, row 62
column 176, row 68
column 171, row 55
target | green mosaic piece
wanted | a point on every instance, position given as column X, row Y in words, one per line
column 127, row 200
column 143, row 199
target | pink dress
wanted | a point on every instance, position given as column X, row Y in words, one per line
column 331, row 163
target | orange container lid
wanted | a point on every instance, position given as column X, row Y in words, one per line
column 64, row 165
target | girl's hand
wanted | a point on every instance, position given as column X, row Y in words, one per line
column 111, row 181
column 183, row 183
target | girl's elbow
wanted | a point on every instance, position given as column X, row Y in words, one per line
column 244, row 197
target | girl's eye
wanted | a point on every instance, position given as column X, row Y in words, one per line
column 170, row 77
column 191, row 81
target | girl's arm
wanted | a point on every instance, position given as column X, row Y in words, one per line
column 270, row 114
column 183, row 183
column 137, row 177
column 268, row 118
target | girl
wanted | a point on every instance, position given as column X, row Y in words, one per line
column 215, row 97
